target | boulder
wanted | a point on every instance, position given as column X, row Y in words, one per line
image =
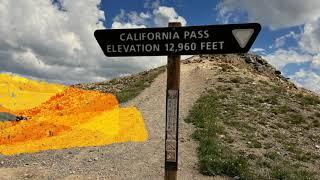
column 7, row 117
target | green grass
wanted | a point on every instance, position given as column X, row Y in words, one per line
column 316, row 123
column 226, row 67
column 311, row 100
column 267, row 145
column 289, row 146
column 308, row 99
column 269, row 99
column 295, row 119
column 277, row 89
column 272, row 155
column 217, row 110
column 219, row 159
column 215, row 157
column 284, row 172
column 281, row 109
column 236, row 79
column 254, row 144
column 128, row 87
column 264, row 82
column 130, row 91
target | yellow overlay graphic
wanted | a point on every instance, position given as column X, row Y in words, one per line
column 61, row 117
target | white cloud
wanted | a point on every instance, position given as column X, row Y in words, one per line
column 123, row 25
column 316, row 61
column 307, row 79
column 281, row 41
column 55, row 42
column 307, row 50
column 130, row 20
column 160, row 17
column 273, row 13
column 310, row 38
column 278, row 14
column 258, row 50
column 281, row 58
column 163, row 15
column 152, row 4
column 40, row 39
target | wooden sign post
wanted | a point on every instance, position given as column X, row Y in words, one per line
column 172, row 114
column 174, row 41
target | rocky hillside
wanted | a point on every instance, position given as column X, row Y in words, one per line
column 251, row 122
column 125, row 88
column 239, row 119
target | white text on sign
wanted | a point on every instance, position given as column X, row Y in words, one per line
column 150, row 42
column 159, row 36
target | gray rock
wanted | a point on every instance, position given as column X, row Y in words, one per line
column 249, row 60
column 7, row 117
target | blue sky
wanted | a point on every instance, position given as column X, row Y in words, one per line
column 195, row 13
column 53, row 39
column 273, row 37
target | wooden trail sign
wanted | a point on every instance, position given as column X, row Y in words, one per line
column 172, row 114
column 174, row 41
column 214, row 39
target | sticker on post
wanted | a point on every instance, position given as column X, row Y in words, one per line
column 171, row 128
column 172, row 116
column 171, row 145
column 171, row 156
column 171, row 150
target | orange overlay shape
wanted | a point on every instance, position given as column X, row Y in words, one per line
column 70, row 118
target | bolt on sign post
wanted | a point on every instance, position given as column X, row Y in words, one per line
column 174, row 41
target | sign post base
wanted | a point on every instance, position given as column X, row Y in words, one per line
column 170, row 175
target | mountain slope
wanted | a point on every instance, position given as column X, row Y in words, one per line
column 125, row 160
column 254, row 124
column 239, row 104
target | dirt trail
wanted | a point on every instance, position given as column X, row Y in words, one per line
column 124, row 160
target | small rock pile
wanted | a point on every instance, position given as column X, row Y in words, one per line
column 261, row 65
column 4, row 116
column 252, row 62
column 7, row 117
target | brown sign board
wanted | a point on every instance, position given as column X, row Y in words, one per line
column 191, row 40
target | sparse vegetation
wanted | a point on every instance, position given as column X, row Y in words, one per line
column 295, row 119
column 215, row 158
column 308, row 99
column 254, row 144
column 126, row 88
column 248, row 127
column 241, row 114
column 130, row 91
column 316, row 123
column 281, row 109
column 272, row 155
column 226, row 67
column 292, row 173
